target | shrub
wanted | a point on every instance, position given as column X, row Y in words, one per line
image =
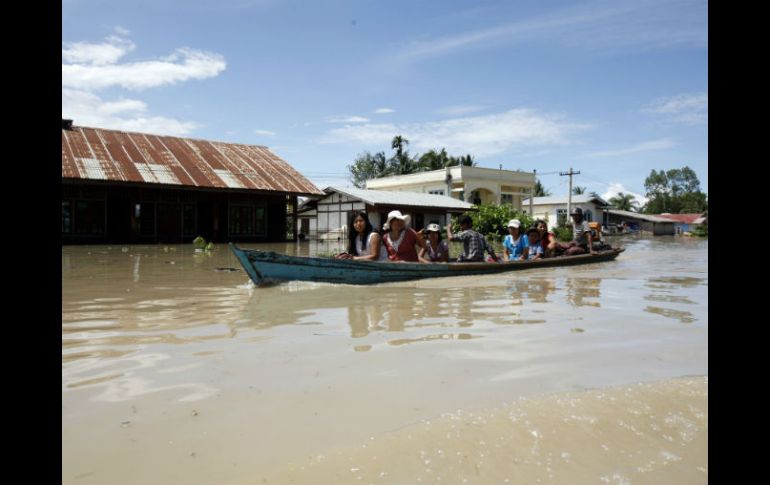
column 492, row 220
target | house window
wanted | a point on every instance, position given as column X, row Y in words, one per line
column 436, row 192
column 588, row 216
column 188, row 219
column 144, row 212
column 89, row 217
column 561, row 217
column 247, row 220
column 506, row 199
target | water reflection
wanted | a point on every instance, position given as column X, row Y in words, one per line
column 673, row 290
column 579, row 289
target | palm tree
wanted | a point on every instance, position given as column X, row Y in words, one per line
column 577, row 190
column 624, row 202
column 540, row 190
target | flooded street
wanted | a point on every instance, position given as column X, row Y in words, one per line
column 176, row 370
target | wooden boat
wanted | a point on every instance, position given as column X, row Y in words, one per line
column 265, row 267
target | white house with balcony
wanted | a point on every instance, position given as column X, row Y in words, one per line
column 553, row 210
column 470, row 184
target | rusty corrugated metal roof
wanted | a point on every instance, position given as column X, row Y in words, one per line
column 99, row 154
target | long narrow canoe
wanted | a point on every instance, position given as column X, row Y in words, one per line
column 267, row 267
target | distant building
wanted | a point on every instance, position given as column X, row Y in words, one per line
column 120, row 187
column 685, row 222
column 328, row 217
column 470, row 184
column 653, row 224
column 553, row 210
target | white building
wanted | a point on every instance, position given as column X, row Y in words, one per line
column 472, row 184
column 328, row 217
column 553, row 210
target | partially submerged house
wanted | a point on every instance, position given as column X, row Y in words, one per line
column 476, row 185
column 653, row 224
column 121, row 187
column 685, row 222
column 328, row 217
column 553, row 210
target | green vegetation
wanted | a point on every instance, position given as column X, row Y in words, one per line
column 701, row 230
column 200, row 243
column 492, row 220
column 539, row 190
column 624, row 202
column 368, row 166
column 563, row 233
column 675, row 191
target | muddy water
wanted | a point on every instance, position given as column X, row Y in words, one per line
column 175, row 369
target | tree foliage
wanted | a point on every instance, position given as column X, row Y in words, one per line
column 492, row 220
column 624, row 202
column 676, row 191
column 577, row 190
column 367, row 166
column 540, row 190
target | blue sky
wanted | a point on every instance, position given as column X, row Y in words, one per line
column 613, row 89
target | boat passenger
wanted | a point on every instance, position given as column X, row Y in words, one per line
column 547, row 238
column 364, row 243
column 515, row 244
column 400, row 240
column 435, row 250
column 474, row 243
column 581, row 236
column 535, row 249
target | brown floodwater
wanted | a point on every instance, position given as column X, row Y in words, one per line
column 177, row 370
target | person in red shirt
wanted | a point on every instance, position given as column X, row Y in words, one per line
column 547, row 238
column 400, row 240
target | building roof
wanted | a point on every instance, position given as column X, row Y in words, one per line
column 405, row 199
column 682, row 218
column 111, row 155
column 636, row 215
column 576, row 199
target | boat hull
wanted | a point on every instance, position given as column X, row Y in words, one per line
column 267, row 267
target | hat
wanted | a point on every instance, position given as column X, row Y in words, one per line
column 396, row 215
column 433, row 228
column 533, row 229
column 514, row 223
column 577, row 211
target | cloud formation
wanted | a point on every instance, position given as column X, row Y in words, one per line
column 660, row 144
column 90, row 67
column 689, row 109
column 479, row 135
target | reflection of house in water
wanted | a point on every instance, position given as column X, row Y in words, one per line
column 578, row 289
column 530, row 289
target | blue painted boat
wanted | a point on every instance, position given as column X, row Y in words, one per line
column 264, row 267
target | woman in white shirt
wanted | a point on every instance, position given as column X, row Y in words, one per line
column 363, row 241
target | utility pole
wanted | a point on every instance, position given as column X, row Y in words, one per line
column 569, row 200
column 532, row 196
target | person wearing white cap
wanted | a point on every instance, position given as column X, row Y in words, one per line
column 435, row 250
column 515, row 244
column 400, row 240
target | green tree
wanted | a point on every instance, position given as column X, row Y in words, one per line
column 539, row 190
column 433, row 160
column 577, row 190
column 492, row 220
column 676, row 191
column 624, row 202
column 368, row 166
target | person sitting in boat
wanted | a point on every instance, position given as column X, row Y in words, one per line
column 535, row 250
column 435, row 250
column 364, row 242
column 474, row 243
column 515, row 244
column 581, row 236
column 547, row 238
column 400, row 240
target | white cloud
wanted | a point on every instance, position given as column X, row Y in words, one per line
column 122, row 31
column 89, row 67
column 88, row 109
column 459, row 110
column 480, row 135
column 690, row 109
column 108, row 52
column 601, row 24
column 264, row 132
column 616, row 187
column 384, row 110
column 183, row 65
column 348, row 119
column 661, row 144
